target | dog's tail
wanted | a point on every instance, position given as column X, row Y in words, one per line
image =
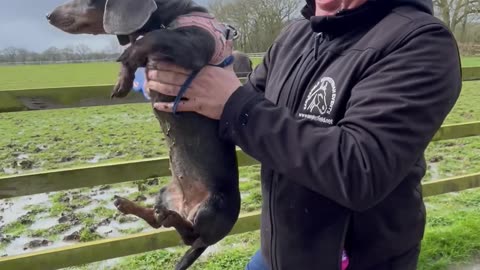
column 190, row 257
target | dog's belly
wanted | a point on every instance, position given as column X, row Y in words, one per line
column 201, row 164
column 185, row 197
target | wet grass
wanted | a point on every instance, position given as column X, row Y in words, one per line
column 452, row 232
column 45, row 140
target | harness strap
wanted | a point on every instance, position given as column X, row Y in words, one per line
column 228, row 61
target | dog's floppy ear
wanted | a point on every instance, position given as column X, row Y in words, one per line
column 123, row 17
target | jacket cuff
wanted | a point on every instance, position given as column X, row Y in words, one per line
column 237, row 112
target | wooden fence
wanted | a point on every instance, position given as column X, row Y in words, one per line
column 99, row 95
column 65, row 179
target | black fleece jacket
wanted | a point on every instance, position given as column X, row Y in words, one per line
column 339, row 114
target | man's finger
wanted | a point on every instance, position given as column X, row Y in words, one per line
column 167, row 77
column 166, row 89
column 165, row 66
column 183, row 106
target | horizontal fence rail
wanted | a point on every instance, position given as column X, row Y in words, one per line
column 144, row 242
column 86, row 96
column 111, row 248
column 57, row 180
column 64, row 97
column 78, row 254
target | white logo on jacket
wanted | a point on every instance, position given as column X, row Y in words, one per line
column 320, row 101
column 317, row 100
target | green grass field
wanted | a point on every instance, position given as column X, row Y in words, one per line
column 44, row 140
column 471, row 61
column 44, row 76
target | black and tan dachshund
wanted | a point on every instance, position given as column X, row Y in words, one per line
column 202, row 201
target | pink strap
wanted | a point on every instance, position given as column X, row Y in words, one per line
column 223, row 47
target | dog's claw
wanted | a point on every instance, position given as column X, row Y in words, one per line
column 123, row 86
column 123, row 205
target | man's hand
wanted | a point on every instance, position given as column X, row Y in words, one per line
column 207, row 95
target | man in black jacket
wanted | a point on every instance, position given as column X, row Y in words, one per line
column 339, row 114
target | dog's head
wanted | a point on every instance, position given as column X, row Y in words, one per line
column 114, row 17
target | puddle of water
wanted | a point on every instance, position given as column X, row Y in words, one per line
column 107, row 231
column 9, row 171
column 23, row 156
column 109, row 194
column 14, row 208
column 434, row 171
column 244, row 194
column 44, row 223
column 150, row 200
column 97, row 158
column 72, row 230
column 87, row 209
column 212, row 250
column 16, row 247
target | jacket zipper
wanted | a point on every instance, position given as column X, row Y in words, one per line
column 291, row 99
column 273, row 248
column 292, row 102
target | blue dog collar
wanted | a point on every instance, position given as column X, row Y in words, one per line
column 139, row 82
column 228, row 61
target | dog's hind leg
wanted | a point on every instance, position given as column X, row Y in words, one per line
column 128, row 207
column 169, row 218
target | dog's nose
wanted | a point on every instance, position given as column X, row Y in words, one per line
column 49, row 16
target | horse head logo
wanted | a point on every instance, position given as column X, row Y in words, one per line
column 317, row 100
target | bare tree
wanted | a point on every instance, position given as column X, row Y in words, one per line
column 52, row 54
column 456, row 13
column 82, row 51
column 10, row 54
column 258, row 21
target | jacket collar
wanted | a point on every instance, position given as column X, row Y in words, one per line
column 346, row 20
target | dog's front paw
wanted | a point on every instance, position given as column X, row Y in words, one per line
column 124, row 205
column 122, row 88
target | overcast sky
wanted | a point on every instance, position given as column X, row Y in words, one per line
column 23, row 24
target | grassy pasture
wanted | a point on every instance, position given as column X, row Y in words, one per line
column 45, row 76
column 471, row 61
column 34, row 141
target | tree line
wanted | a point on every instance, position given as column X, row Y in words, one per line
column 77, row 53
column 259, row 22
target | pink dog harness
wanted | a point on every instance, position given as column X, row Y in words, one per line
column 222, row 34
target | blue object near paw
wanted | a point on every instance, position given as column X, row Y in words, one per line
column 139, row 82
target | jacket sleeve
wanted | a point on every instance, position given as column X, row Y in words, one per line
column 394, row 111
